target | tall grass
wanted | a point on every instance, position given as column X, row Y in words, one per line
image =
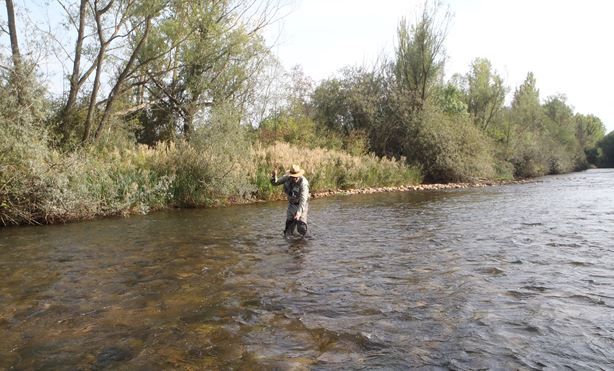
column 39, row 184
column 330, row 169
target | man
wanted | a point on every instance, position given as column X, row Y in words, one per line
column 296, row 187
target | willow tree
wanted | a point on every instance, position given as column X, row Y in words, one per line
column 526, row 107
column 109, row 36
column 589, row 131
column 211, row 50
column 420, row 54
column 485, row 93
column 525, row 132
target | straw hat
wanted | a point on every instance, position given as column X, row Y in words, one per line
column 295, row 171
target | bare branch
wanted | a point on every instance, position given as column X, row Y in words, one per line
column 70, row 17
column 105, row 8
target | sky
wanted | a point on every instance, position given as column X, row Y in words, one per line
column 566, row 44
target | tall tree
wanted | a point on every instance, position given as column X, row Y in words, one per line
column 18, row 72
column 213, row 53
column 77, row 78
column 526, row 108
column 485, row 93
column 560, row 123
column 589, row 130
column 129, row 19
column 420, row 53
column 606, row 146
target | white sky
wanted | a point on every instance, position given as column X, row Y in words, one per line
column 567, row 44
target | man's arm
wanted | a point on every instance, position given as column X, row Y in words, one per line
column 275, row 180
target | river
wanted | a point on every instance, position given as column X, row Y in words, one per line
column 508, row 277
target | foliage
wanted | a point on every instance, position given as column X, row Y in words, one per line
column 606, row 147
column 420, row 54
column 288, row 127
column 566, row 153
column 450, row 148
column 41, row 185
column 450, row 100
column 348, row 104
column 589, row 131
column 331, row 169
column 23, row 172
column 213, row 166
column 485, row 93
column 199, row 55
column 525, row 131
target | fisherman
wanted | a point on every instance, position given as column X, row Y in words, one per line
column 296, row 187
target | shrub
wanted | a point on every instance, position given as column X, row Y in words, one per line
column 606, row 145
column 450, row 148
column 214, row 165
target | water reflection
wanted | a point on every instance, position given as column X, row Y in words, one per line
column 507, row 277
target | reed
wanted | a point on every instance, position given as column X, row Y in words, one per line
column 48, row 186
column 329, row 169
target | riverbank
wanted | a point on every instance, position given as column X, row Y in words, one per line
column 403, row 188
column 419, row 187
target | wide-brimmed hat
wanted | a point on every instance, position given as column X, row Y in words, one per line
column 295, row 171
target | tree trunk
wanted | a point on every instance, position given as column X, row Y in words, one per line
column 187, row 125
column 96, row 87
column 18, row 71
column 120, row 80
column 74, row 77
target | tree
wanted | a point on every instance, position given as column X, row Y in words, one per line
column 18, row 77
column 526, row 112
column 420, row 54
column 589, row 130
column 210, row 54
column 563, row 148
column 485, row 93
column 561, row 120
column 526, row 106
column 134, row 18
column 524, row 133
column 349, row 103
column 159, row 60
column 451, row 100
column 76, row 79
column 109, row 36
column 606, row 144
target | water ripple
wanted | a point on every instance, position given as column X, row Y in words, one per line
column 510, row 277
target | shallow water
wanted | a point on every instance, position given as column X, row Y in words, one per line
column 509, row 277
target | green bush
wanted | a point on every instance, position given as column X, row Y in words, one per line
column 213, row 166
column 450, row 148
column 25, row 176
column 606, row 145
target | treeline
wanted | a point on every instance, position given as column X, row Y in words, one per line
column 455, row 130
column 180, row 103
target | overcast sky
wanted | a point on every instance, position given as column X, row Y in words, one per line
column 566, row 44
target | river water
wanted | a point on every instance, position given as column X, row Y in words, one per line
column 508, row 277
